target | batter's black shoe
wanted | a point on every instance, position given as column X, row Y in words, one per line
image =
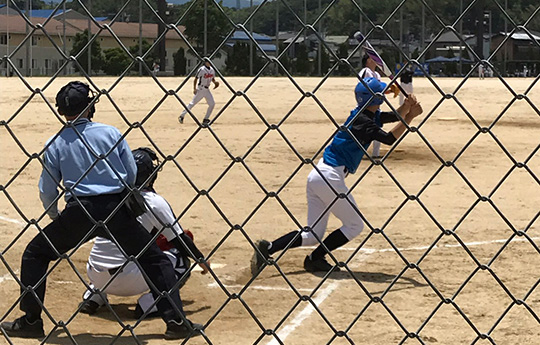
column 89, row 307
column 181, row 119
column 257, row 261
column 21, row 328
column 206, row 122
column 179, row 330
column 319, row 265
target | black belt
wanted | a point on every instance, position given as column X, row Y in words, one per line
column 113, row 271
column 345, row 170
column 206, row 87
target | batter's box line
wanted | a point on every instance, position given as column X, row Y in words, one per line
column 284, row 332
column 457, row 245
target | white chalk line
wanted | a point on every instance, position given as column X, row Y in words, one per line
column 8, row 277
column 323, row 294
column 284, row 332
column 457, row 245
column 10, row 220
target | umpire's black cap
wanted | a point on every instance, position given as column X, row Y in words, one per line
column 73, row 98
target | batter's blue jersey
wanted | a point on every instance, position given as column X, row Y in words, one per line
column 345, row 151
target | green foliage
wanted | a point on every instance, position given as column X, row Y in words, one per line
column 148, row 60
column 218, row 26
column 343, row 69
column 115, row 61
column 79, row 42
column 180, row 62
column 302, row 65
column 237, row 62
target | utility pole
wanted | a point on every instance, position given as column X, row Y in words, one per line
column 89, row 35
column 423, row 31
column 205, row 29
column 460, row 38
column 277, row 34
column 505, row 51
column 162, row 52
column 28, row 44
column 63, row 33
column 319, row 62
column 250, row 41
column 140, row 36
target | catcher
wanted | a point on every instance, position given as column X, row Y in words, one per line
column 106, row 259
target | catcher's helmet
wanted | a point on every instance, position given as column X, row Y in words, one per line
column 145, row 158
column 73, row 98
column 363, row 95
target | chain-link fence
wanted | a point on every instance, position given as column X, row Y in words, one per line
column 449, row 248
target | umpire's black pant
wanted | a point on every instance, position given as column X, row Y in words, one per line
column 73, row 225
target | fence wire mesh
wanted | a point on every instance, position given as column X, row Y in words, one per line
column 359, row 313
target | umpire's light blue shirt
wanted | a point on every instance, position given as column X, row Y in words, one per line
column 67, row 159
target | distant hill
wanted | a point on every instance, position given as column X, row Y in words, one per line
column 227, row 3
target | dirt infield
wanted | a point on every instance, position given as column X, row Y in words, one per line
column 474, row 251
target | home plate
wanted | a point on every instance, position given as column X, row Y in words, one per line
column 212, row 265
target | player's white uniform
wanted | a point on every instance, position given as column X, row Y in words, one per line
column 205, row 76
column 367, row 72
column 105, row 257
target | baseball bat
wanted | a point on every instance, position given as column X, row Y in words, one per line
column 372, row 53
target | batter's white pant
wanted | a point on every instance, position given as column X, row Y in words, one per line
column 202, row 92
column 129, row 282
column 408, row 88
column 320, row 195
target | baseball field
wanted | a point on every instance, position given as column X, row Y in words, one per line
column 440, row 260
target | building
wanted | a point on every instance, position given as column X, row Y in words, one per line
column 520, row 54
column 40, row 53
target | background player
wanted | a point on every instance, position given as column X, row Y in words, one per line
column 340, row 158
column 201, row 88
column 106, row 259
column 405, row 81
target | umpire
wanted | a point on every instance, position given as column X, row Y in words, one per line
column 96, row 167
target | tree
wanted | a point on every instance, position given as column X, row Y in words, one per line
column 237, row 62
column 302, row 65
column 343, row 52
column 115, row 61
column 180, row 62
column 148, row 60
column 218, row 26
column 79, row 42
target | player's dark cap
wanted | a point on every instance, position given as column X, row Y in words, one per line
column 363, row 94
column 144, row 159
column 73, row 98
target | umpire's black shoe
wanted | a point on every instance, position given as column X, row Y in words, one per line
column 180, row 330
column 139, row 312
column 21, row 328
column 257, row 261
column 89, row 307
column 319, row 265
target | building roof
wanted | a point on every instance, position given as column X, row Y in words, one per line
column 521, row 36
column 54, row 27
column 240, row 35
column 44, row 13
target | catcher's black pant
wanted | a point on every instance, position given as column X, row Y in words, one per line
column 73, row 224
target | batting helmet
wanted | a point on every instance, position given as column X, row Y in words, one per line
column 73, row 98
column 145, row 158
column 363, row 94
